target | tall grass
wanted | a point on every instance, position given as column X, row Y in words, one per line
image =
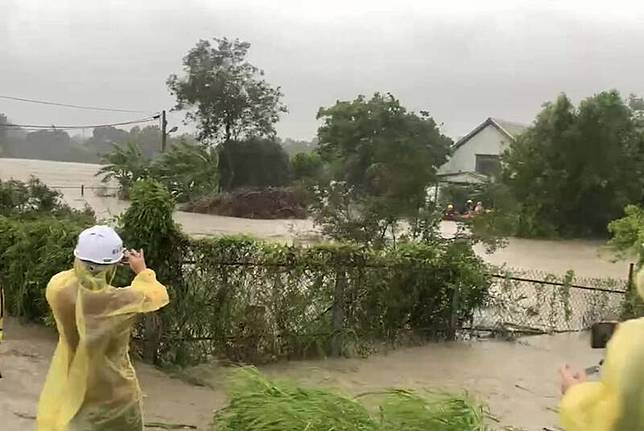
column 257, row 403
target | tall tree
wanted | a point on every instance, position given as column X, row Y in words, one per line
column 576, row 169
column 255, row 162
column 382, row 158
column 104, row 138
column 228, row 96
column 382, row 150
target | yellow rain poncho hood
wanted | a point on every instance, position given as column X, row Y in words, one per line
column 91, row 385
column 616, row 402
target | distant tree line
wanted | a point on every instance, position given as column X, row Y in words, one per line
column 59, row 145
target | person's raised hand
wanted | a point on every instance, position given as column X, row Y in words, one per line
column 570, row 378
column 136, row 260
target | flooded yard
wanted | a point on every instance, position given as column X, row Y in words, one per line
column 587, row 258
column 521, row 390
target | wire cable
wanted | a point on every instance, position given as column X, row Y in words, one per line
column 93, row 126
column 68, row 105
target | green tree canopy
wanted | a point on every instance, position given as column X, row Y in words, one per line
column 256, row 163
column 188, row 170
column 103, row 139
column 382, row 150
column 307, row 166
column 227, row 96
column 576, row 169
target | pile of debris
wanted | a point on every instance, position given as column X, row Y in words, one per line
column 272, row 203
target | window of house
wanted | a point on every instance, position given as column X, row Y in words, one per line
column 488, row 164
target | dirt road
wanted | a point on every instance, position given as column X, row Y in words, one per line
column 517, row 379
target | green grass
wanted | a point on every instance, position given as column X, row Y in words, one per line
column 257, row 403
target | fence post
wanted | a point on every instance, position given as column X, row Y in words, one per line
column 337, row 317
column 453, row 321
column 82, row 189
column 631, row 273
column 151, row 337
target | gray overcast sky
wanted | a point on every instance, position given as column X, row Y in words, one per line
column 461, row 60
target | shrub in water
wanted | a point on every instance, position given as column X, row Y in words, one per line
column 257, row 403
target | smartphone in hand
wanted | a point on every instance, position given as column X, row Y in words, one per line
column 601, row 333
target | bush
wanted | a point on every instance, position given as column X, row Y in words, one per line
column 257, row 403
column 251, row 301
column 37, row 236
column 255, row 204
column 187, row 170
column 307, row 166
column 148, row 224
column 32, row 252
column 627, row 242
column 34, row 198
column 253, row 163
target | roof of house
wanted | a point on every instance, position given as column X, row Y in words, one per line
column 462, row 177
column 508, row 128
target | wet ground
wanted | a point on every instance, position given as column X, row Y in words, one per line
column 518, row 379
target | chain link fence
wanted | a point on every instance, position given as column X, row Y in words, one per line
column 259, row 311
column 535, row 302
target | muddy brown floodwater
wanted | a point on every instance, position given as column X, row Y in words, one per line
column 518, row 379
column 586, row 258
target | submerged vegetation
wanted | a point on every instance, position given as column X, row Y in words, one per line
column 260, row 404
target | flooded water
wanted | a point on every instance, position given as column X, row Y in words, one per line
column 521, row 389
column 586, row 258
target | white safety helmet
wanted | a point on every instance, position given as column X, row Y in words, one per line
column 100, row 245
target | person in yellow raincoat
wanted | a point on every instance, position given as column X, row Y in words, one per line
column 91, row 384
column 616, row 402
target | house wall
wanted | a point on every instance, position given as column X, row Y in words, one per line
column 487, row 141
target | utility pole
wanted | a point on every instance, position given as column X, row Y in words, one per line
column 164, row 124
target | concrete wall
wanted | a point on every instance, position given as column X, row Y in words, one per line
column 487, row 141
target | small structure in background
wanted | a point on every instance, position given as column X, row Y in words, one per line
column 476, row 156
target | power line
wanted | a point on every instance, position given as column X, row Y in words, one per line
column 93, row 126
column 67, row 105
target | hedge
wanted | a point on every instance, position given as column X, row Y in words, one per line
column 251, row 301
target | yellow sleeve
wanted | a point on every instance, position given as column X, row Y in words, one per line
column 588, row 407
column 153, row 294
column 145, row 295
column 615, row 402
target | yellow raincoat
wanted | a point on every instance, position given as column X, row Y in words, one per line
column 91, row 385
column 616, row 402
